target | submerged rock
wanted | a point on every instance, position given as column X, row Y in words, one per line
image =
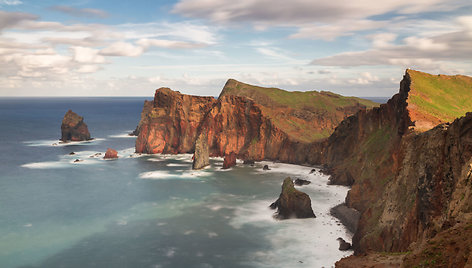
column 77, row 160
column 201, row 158
column 343, row 245
column 292, row 203
column 313, row 171
column 301, row 182
column 73, row 128
column 71, row 153
column 266, row 167
column 111, row 154
column 229, row 161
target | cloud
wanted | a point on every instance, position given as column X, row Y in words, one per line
column 87, row 55
column 428, row 53
column 10, row 2
column 10, row 19
column 122, row 49
column 81, row 12
column 146, row 43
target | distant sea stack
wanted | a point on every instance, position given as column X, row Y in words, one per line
column 73, row 128
column 111, row 154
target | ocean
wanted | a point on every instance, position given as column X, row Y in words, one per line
column 144, row 210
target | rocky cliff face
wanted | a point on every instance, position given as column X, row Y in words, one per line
column 238, row 122
column 73, row 128
column 169, row 123
column 409, row 183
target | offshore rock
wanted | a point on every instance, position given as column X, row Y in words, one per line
column 73, row 128
column 301, row 182
column 111, row 154
column 266, row 167
column 229, row 160
column 343, row 245
column 201, row 158
column 292, row 203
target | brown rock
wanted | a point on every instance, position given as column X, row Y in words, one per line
column 73, row 128
column 292, row 203
column 111, row 154
column 343, row 245
column 201, row 158
column 229, row 160
column 301, row 182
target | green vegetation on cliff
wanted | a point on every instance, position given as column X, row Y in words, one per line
column 442, row 97
column 305, row 116
column 313, row 100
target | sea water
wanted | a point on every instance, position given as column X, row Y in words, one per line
column 144, row 210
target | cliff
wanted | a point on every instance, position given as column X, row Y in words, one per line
column 255, row 123
column 169, row 123
column 409, row 181
column 73, row 128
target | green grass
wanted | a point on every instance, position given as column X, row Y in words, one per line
column 312, row 100
column 444, row 97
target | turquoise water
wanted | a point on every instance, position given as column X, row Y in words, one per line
column 143, row 210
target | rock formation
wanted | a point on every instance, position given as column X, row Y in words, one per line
column 343, row 245
column 409, row 182
column 73, row 128
column 265, row 167
column 253, row 122
column 111, row 154
column 201, row 158
column 301, row 182
column 229, row 160
column 292, row 203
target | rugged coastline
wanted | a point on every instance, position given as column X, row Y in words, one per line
column 408, row 176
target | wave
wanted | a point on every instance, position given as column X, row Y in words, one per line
column 124, row 134
column 166, row 175
column 58, row 143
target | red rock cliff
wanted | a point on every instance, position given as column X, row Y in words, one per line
column 169, row 123
column 410, row 183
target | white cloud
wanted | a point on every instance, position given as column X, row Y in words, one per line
column 10, row 2
column 432, row 53
column 122, row 49
column 146, row 43
column 87, row 55
column 81, row 12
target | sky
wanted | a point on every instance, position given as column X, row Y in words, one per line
column 131, row 48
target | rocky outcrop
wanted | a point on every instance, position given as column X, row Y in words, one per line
column 409, row 183
column 229, row 160
column 301, row 182
column 349, row 217
column 201, row 158
column 73, row 128
column 111, row 154
column 169, row 123
column 256, row 126
column 343, row 245
column 292, row 203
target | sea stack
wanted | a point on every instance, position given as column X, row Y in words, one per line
column 73, row 128
column 292, row 203
column 229, row 160
column 201, row 158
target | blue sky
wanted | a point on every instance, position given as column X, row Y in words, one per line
column 130, row 48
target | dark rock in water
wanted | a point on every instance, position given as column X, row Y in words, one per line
column 201, row 158
column 301, row 182
column 266, row 167
column 292, row 203
column 229, row 160
column 73, row 128
column 77, row 160
column 248, row 162
column 71, row 153
column 343, row 245
column 349, row 217
column 313, row 171
column 111, row 154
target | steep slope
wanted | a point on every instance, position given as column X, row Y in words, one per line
column 238, row 122
column 304, row 116
column 408, row 181
column 169, row 123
